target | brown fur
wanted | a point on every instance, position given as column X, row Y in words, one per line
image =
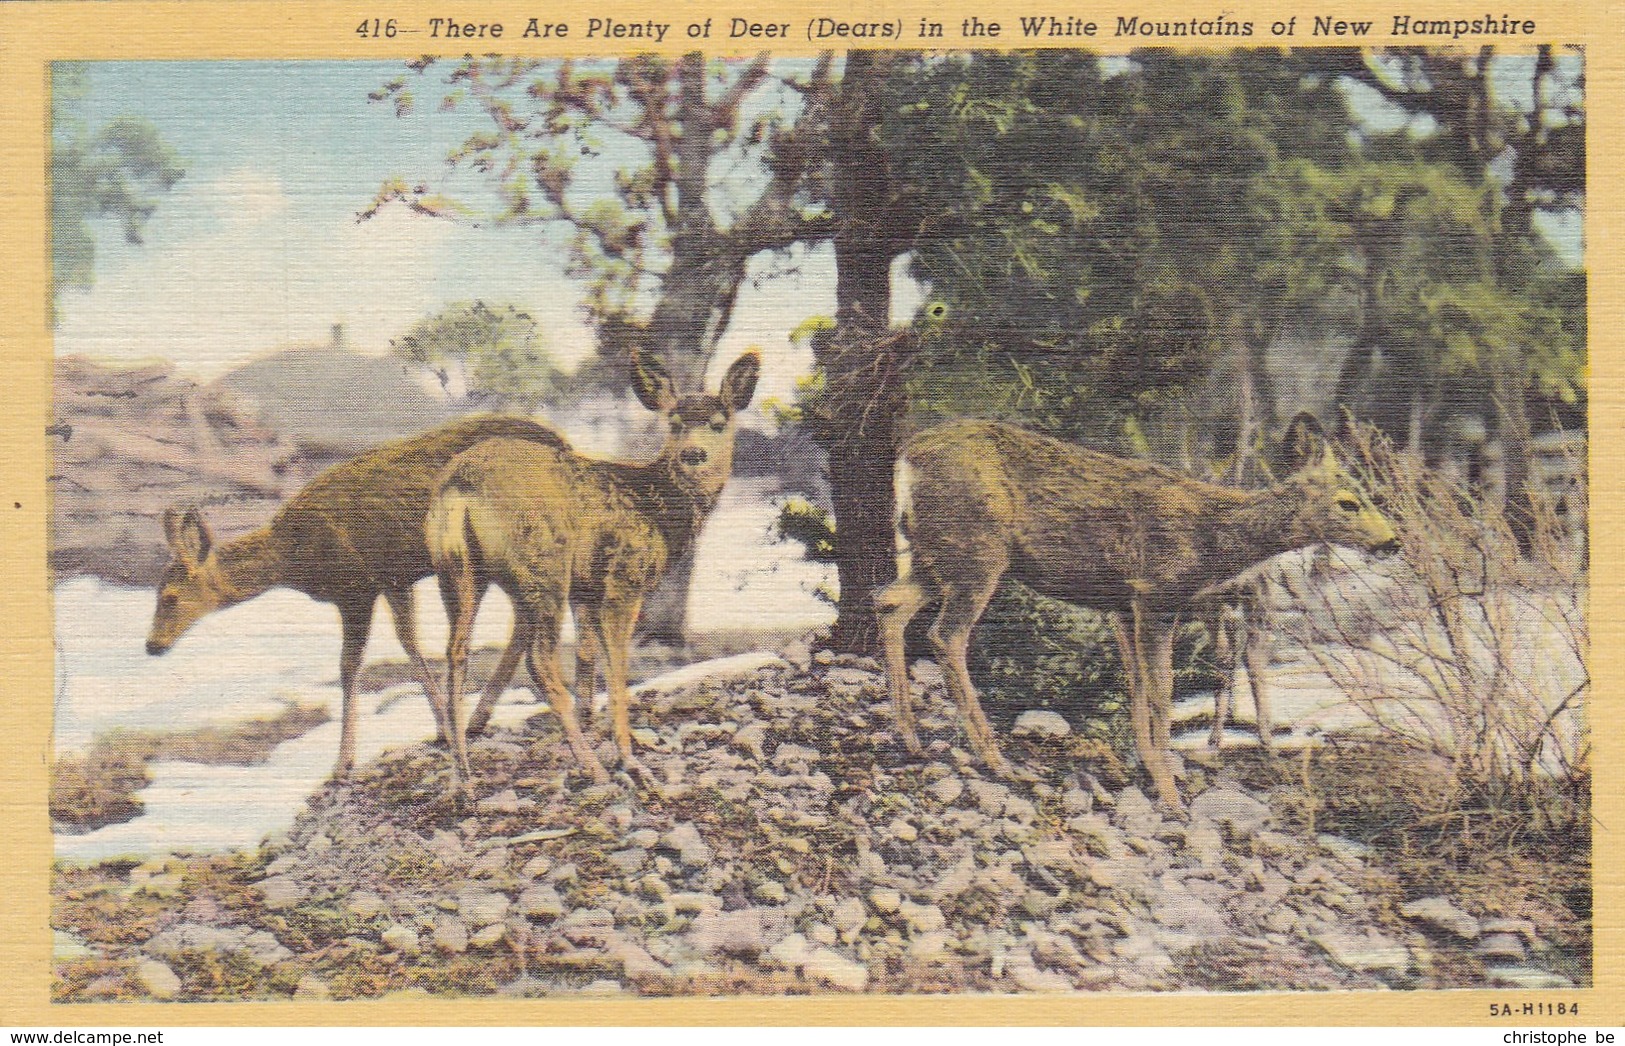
column 553, row 529
column 355, row 532
column 985, row 500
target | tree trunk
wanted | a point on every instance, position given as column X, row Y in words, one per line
column 860, row 422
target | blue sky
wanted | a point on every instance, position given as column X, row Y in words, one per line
column 258, row 247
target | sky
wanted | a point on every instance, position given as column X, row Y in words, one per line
column 258, row 248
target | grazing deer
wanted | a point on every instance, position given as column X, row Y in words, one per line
column 554, row 529
column 353, row 533
column 979, row 500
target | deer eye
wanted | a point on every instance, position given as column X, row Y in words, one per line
column 1348, row 503
column 169, row 601
column 676, row 424
column 718, row 426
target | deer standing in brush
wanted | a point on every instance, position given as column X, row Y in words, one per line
column 554, row 529
column 978, row 501
column 355, row 532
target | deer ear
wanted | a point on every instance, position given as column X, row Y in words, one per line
column 188, row 535
column 1303, row 445
column 739, row 384
column 651, row 383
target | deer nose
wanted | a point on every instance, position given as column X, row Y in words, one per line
column 692, row 456
column 155, row 648
column 1387, row 548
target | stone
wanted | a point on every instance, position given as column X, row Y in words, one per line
column 791, row 952
column 313, row 988
column 503, row 802
column 833, row 968
column 1343, row 849
column 922, row 918
column 365, row 904
column 541, row 902
column 686, row 841
column 1019, row 967
column 1369, row 951
column 537, row 867
column 989, row 796
column 1501, row 946
column 743, row 931
column 947, row 791
column 821, row 933
column 1527, row 977
column 482, row 907
column 489, row 937
column 627, row 861
column 849, row 916
column 788, row 754
column 402, row 939
column 1228, row 807
column 902, row 831
column 279, row 891
column 450, row 935
column 694, row 903
column 930, row 947
column 750, row 739
column 158, row 979
column 1441, row 914
column 1040, row 722
column 769, row 891
column 66, row 946
column 644, row 838
column 1020, row 810
column 885, row 900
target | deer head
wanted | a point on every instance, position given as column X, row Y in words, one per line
column 192, row 586
column 1331, row 506
column 700, row 427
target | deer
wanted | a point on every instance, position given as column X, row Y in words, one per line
column 555, row 530
column 980, row 500
column 355, row 532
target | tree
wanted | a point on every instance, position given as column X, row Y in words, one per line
column 1526, row 158
column 495, row 354
column 113, row 173
column 636, row 162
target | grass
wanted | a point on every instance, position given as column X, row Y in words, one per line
column 98, row 787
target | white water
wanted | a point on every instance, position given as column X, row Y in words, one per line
column 252, row 660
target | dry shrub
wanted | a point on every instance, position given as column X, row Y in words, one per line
column 1464, row 650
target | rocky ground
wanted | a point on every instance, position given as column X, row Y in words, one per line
column 787, row 847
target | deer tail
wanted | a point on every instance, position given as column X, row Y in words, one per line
column 448, row 530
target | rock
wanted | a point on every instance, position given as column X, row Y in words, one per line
column 536, row 867
column 1020, row 810
column 504, row 802
column 902, row 831
column 1227, row 807
column 636, row 962
column 450, row 935
column 489, row 936
column 627, row 861
column 922, row 918
column 1344, row 849
column 1077, row 801
column 1019, row 967
column 849, row 916
column 694, row 902
column 791, row 754
column 947, row 791
column 989, row 796
column 1040, row 722
column 820, row 933
column 750, row 739
column 280, row 891
column 929, row 947
column 1132, row 804
column 690, row 847
column 482, row 907
column 402, row 939
column 1367, row 952
column 1522, row 927
column 885, row 900
column 791, row 952
column 743, row 931
column 66, row 946
column 644, row 838
column 364, row 904
column 769, row 891
column 313, row 988
column 1441, row 914
column 1501, row 946
column 158, row 979
column 836, row 970
column 1183, row 912
column 1526, row 977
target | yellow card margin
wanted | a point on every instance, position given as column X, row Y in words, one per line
column 32, row 35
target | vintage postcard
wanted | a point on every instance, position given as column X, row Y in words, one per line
column 930, row 513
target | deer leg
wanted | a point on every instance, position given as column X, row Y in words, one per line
column 518, row 643
column 616, row 620
column 1147, row 651
column 1258, row 661
column 897, row 604
column 961, row 609
column 586, row 682
column 1224, row 658
column 401, row 608
column 544, row 667
column 357, row 623
column 459, row 591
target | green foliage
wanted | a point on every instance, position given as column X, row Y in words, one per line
column 114, row 173
column 801, row 520
column 1030, row 651
column 500, row 352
